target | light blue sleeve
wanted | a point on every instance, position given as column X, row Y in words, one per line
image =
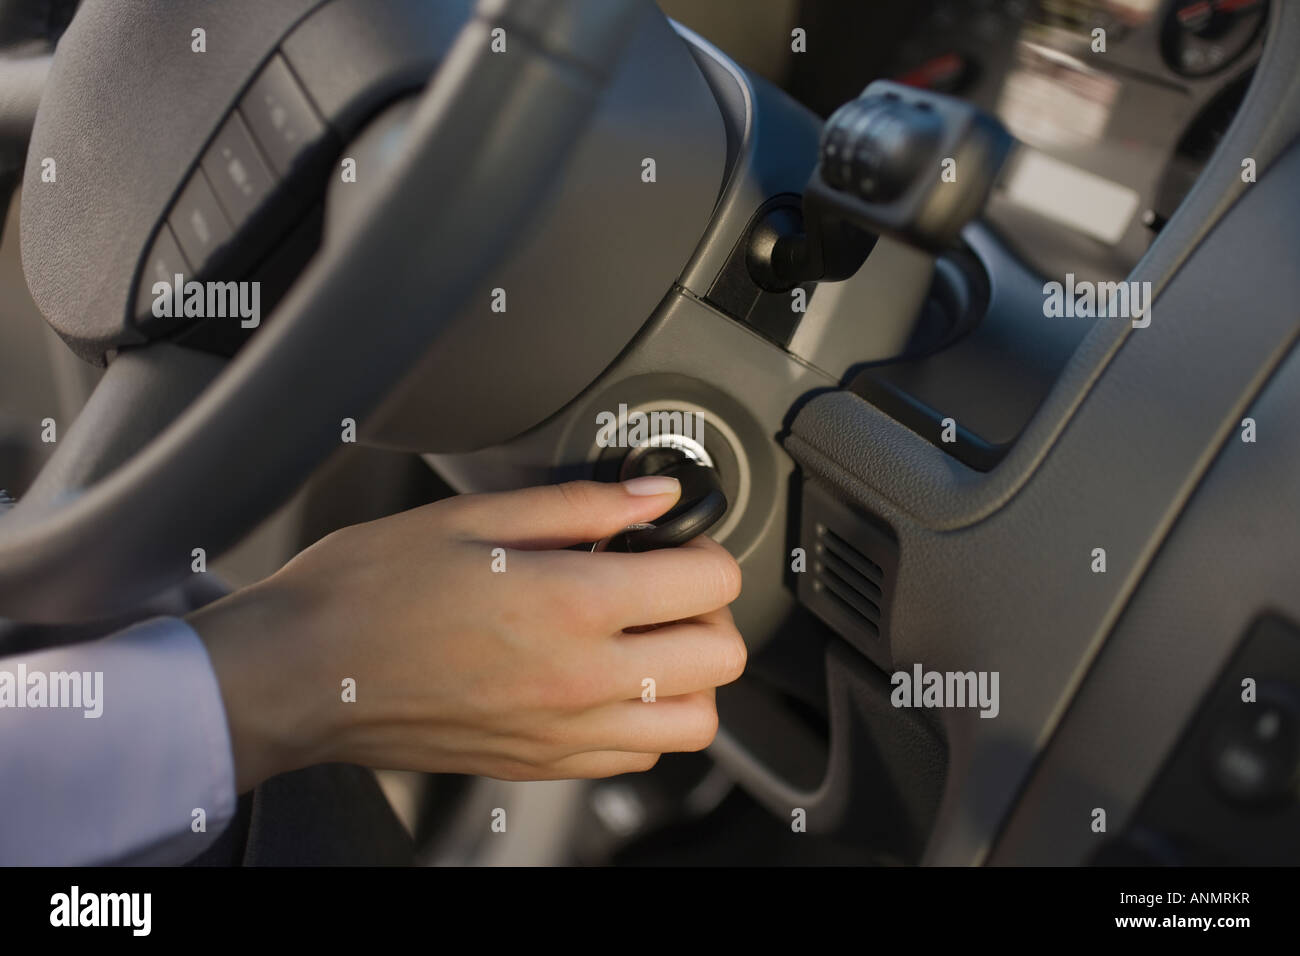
column 108, row 748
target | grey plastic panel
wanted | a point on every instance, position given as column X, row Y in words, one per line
column 882, row 778
column 868, row 317
column 990, row 381
column 1232, row 555
column 1014, row 593
column 773, row 151
column 588, row 275
column 354, row 55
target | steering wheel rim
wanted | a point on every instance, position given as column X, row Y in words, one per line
column 485, row 139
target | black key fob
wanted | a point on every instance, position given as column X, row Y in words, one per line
column 701, row 505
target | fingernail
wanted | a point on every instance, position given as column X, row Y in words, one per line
column 653, row 485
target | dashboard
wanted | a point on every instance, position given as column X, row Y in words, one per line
column 1119, row 103
column 1118, row 106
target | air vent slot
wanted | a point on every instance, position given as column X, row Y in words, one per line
column 849, row 576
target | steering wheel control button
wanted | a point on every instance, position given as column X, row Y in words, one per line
column 164, row 262
column 280, row 116
column 198, row 222
column 238, row 173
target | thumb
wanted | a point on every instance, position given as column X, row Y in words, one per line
column 557, row 516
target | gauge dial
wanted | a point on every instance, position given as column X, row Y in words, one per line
column 1203, row 36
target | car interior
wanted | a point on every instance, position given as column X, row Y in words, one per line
column 974, row 319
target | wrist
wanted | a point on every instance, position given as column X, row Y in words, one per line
column 253, row 642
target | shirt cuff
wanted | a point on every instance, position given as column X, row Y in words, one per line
column 114, row 751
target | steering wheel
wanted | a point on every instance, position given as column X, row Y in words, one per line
column 111, row 519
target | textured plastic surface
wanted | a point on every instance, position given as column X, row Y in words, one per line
column 136, row 58
column 1137, row 442
column 1232, row 555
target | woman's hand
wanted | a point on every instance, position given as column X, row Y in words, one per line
column 513, row 663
